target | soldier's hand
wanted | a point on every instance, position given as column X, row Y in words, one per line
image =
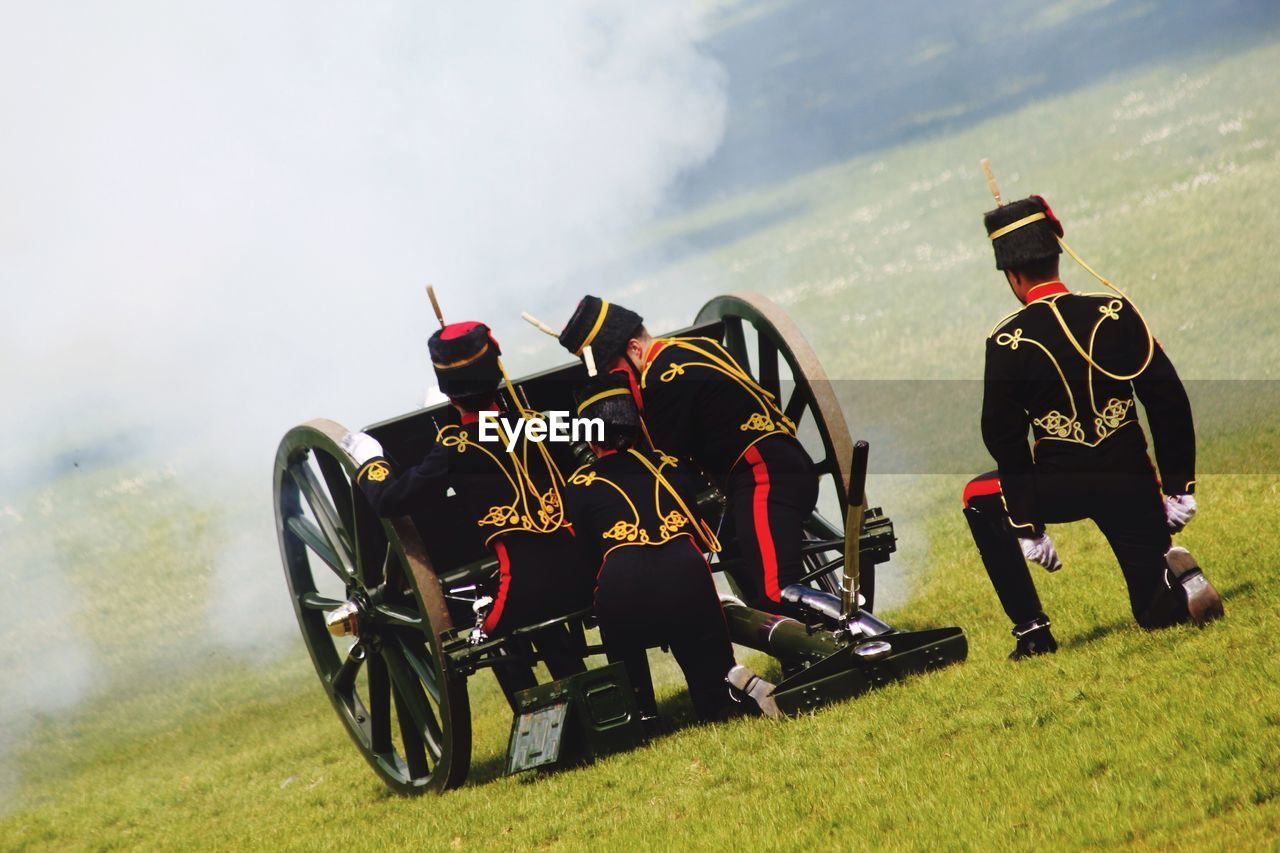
column 1040, row 550
column 361, row 446
column 1179, row 510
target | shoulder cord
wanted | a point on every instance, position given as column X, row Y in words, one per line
column 704, row 532
column 763, row 397
column 522, row 484
column 578, row 478
column 557, row 479
column 1088, row 356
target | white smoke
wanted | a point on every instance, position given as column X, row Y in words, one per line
column 218, row 218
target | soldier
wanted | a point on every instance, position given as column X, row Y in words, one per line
column 697, row 402
column 637, row 509
column 1067, row 366
column 513, row 500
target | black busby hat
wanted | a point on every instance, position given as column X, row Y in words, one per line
column 608, row 397
column 1023, row 231
column 465, row 356
column 602, row 325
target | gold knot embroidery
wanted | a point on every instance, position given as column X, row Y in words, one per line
column 1113, row 412
column 549, row 508
column 1111, row 310
column 625, row 530
column 583, row 479
column 1111, row 416
column 758, row 423
column 499, row 516
column 459, row 441
column 1005, row 339
column 673, row 522
column 1057, row 424
column 672, row 372
column 377, row 471
column 670, row 460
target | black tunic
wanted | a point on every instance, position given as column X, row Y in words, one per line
column 697, row 402
column 617, row 501
column 513, row 501
column 1067, row 366
column 636, row 510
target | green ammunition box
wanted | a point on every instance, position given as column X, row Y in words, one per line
column 574, row 720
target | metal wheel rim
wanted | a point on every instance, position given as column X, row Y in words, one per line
column 384, row 565
column 777, row 337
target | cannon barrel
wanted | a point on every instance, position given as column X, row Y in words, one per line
column 780, row 636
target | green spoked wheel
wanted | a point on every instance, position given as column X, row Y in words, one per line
column 760, row 335
column 387, row 677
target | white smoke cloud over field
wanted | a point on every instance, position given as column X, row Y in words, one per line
column 217, row 220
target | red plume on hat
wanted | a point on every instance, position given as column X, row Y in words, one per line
column 465, row 358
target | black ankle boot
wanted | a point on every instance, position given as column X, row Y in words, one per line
column 1033, row 639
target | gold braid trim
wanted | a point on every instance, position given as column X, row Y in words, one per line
column 764, row 420
column 704, row 533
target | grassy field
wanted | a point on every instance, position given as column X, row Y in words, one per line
column 1165, row 179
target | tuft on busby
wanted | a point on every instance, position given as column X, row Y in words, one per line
column 465, row 357
column 1022, row 232
column 608, row 397
column 602, row 325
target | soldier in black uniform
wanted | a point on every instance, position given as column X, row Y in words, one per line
column 636, row 508
column 1067, row 366
column 512, row 498
column 697, row 402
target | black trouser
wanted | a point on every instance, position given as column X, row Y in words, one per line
column 771, row 492
column 663, row 595
column 1127, row 507
column 540, row 576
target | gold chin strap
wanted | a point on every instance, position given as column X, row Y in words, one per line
column 595, row 330
column 1014, row 226
column 595, row 398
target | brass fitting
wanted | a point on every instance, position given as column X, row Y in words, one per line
column 344, row 621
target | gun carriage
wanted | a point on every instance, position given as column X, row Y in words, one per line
column 403, row 588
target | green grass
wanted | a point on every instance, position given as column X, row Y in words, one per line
column 1158, row 739
column 1165, row 739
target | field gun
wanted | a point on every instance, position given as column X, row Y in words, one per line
column 385, row 606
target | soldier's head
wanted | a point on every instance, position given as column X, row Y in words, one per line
column 608, row 397
column 1024, row 236
column 465, row 358
column 614, row 333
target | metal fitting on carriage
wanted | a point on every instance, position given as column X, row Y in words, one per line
column 344, row 621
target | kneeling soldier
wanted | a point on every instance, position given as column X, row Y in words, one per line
column 1067, row 367
column 654, row 587
column 513, row 499
column 697, row 402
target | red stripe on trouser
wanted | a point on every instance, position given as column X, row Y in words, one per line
column 504, row 586
column 760, row 512
column 979, row 486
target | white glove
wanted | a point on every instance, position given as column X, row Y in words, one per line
column 1178, row 510
column 361, row 446
column 1040, row 551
